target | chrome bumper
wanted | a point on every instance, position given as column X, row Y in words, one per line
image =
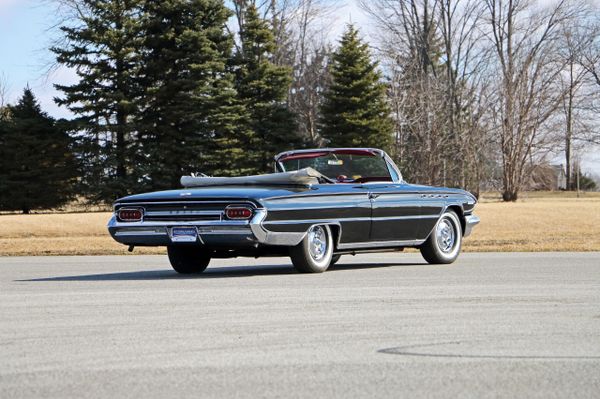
column 235, row 233
column 470, row 222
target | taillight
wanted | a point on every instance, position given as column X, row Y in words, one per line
column 238, row 212
column 130, row 214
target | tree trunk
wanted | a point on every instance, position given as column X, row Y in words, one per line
column 510, row 195
column 569, row 132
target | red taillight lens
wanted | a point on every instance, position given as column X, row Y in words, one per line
column 130, row 214
column 238, row 212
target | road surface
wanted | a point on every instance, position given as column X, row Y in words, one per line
column 378, row 325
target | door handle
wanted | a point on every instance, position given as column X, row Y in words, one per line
column 373, row 195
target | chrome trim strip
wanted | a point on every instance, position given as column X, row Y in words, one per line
column 157, row 223
column 361, row 219
column 219, row 232
column 183, row 212
column 357, row 193
column 380, row 244
column 140, row 232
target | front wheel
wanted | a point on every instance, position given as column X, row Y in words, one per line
column 334, row 259
column 314, row 253
column 444, row 243
column 187, row 260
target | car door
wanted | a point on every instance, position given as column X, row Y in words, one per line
column 395, row 211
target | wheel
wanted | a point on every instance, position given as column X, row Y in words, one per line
column 188, row 260
column 444, row 243
column 334, row 259
column 314, row 253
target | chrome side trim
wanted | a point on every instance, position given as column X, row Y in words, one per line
column 381, row 244
column 362, row 219
column 292, row 238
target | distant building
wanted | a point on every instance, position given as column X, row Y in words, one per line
column 546, row 177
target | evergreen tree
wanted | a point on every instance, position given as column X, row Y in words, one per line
column 355, row 112
column 103, row 49
column 37, row 168
column 263, row 86
column 191, row 120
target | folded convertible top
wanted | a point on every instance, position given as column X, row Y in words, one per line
column 304, row 176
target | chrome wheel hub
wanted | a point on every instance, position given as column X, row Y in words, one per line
column 317, row 242
column 445, row 235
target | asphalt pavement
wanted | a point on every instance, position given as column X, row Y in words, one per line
column 492, row 325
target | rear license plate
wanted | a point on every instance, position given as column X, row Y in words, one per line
column 184, row 234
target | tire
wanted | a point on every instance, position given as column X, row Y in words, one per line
column 334, row 259
column 188, row 260
column 315, row 252
column 444, row 243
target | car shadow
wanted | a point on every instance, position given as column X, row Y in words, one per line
column 214, row 272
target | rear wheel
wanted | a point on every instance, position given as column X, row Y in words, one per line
column 187, row 260
column 314, row 253
column 444, row 242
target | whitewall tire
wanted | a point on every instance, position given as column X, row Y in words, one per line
column 314, row 253
column 444, row 243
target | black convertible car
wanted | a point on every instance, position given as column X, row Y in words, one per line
column 319, row 205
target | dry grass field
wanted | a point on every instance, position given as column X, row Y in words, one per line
column 537, row 222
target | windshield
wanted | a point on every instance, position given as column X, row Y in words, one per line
column 341, row 167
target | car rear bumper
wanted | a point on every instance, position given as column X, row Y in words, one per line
column 224, row 233
column 470, row 222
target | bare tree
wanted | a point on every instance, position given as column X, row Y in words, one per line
column 432, row 55
column 524, row 41
column 577, row 82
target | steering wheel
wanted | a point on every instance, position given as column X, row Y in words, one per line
column 341, row 178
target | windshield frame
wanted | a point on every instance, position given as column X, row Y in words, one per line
column 393, row 171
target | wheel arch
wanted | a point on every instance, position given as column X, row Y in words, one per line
column 336, row 233
column 334, row 227
column 461, row 216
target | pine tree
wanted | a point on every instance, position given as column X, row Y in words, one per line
column 103, row 49
column 191, row 119
column 355, row 112
column 37, row 167
column 263, row 88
